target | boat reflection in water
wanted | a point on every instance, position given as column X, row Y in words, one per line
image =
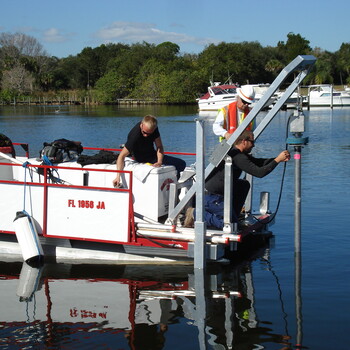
column 131, row 307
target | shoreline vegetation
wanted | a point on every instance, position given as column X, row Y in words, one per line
column 144, row 73
column 79, row 98
column 82, row 98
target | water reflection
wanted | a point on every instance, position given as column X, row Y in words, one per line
column 133, row 307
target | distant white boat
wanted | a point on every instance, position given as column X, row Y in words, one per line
column 218, row 96
column 294, row 99
column 325, row 95
column 260, row 90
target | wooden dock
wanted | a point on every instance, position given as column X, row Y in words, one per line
column 134, row 101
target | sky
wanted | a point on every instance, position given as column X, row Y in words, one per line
column 65, row 27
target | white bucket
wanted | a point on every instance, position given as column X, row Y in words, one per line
column 27, row 237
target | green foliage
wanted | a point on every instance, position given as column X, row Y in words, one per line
column 148, row 80
column 323, row 70
column 240, row 62
column 155, row 72
column 111, row 87
column 167, row 51
column 342, row 57
column 295, row 45
column 175, row 92
column 7, row 95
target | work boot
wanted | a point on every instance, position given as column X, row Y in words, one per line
column 189, row 218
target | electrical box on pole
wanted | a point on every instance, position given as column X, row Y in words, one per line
column 297, row 128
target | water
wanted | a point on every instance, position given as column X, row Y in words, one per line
column 109, row 307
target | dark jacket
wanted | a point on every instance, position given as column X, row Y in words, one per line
column 258, row 167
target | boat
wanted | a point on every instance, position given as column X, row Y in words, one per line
column 325, row 95
column 260, row 90
column 73, row 213
column 69, row 213
column 295, row 100
column 218, row 96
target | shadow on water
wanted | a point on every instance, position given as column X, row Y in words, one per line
column 135, row 307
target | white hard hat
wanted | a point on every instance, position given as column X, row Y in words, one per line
column 246, row 93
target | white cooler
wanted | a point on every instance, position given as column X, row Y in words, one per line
column 151, row 196
column 150, row 185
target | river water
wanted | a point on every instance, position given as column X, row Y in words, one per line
column 273, row 300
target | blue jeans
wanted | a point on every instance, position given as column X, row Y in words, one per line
column 214, row 211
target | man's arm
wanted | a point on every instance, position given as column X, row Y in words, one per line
column 120, row 165
column 218, row 125
column 259, row 167
column 247, row 164
column 160, row 152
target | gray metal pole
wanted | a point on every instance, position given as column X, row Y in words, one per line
column 201, row 306
column 297, row 245
column 298, row 301
column 297, row 127
column 331, row 105
column 200, row 225
column 297, row 200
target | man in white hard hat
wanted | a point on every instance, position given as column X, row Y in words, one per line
column 230, row 116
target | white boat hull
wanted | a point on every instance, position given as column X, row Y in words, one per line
column 214, row 103
column 325, row 95
column 82, row 218
column 68, row 252
column 338, row 101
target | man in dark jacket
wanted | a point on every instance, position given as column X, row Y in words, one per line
column 242, row 160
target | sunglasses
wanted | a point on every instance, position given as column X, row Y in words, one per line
column 252, row 141
column 245, row 102
column 145, row 132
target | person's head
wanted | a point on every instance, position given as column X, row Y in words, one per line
column 245, row 142
column 148, row 125
column 246, row 95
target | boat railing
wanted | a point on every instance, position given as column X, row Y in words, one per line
column 70, row 176
column 64, row 208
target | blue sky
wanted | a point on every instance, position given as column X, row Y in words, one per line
column 65, row 27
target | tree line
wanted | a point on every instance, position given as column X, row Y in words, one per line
column 152, row 72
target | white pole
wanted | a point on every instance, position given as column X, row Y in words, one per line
column 331, row 96
column 13, row 160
